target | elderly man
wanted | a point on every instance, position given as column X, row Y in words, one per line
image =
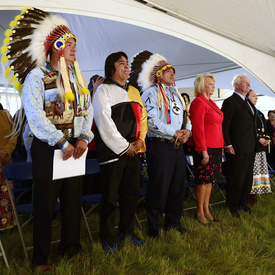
column 60, row 116
column 239, row 131
column 121, row 126
column 165, row 139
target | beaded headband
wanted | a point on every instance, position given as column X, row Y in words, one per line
column 28, row 43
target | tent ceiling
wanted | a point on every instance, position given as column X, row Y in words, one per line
column 98, row 37
column 249, row 22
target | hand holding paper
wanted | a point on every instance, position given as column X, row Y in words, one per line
column 68, row 168
column 68, row 152
column 79, row 148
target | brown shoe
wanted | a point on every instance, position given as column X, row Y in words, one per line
column 42, row 268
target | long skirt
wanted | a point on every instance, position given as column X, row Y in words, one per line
column 261, row 183
column 7, row 219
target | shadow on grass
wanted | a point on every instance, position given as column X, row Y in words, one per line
column 233, row 246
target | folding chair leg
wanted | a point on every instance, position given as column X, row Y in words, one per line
column 87, row 225
column 4, row 255
column 271, row 174
column 138, row 222
column 272, row 180
column 17, row 221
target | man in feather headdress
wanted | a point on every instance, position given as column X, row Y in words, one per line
column 60, row 115
column 165, row 156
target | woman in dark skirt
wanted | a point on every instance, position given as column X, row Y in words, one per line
column 207, row 138
column 261, row 182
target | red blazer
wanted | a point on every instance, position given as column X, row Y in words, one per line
column 206, row 119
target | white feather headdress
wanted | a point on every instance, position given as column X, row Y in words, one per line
column 34, row 33
column 147, row 76
column 146, row 71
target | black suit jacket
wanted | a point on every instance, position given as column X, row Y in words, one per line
column 239, row 124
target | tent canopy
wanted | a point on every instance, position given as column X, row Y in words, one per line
column 195, row 36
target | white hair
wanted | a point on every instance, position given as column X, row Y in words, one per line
column 237, row 80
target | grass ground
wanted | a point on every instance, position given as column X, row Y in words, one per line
column 233, row 246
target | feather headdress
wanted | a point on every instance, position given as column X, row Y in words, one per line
column 136, row 67
column 147, row 70
column 144, row 69
column 28, row 43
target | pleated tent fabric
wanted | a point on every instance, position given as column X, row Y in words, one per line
column 196, row 37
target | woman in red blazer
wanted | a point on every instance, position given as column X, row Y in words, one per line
column 207, row 138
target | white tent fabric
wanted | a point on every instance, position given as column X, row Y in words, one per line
column 238, row 30
column 248, row 22
column 195, row 36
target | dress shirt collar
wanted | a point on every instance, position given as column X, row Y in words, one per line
column 171, row 89
column 241, row 96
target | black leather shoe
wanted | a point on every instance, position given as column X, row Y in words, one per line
column 154, row 234
column 178, row 228
column 214, row 220
column 246, row 209
column 197, row 219
column 42, row 269
column 235, row 213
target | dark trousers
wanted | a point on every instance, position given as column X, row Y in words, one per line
column 240, row 178
column 46, row 192
column 166, row 187
column 119, row 177
column 271, row 157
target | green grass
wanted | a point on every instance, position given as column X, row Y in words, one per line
column 233, row 246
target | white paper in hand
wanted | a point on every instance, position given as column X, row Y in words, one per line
column 68, row 168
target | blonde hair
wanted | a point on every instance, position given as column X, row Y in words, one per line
column 199, row 83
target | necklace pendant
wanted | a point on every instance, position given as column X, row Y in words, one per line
column 176, row 108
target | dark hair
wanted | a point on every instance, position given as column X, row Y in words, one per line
column 110, row 63
column 91, row 85
column 1, row 107
column 270, row 111
column 187, row 96
column 249, row 93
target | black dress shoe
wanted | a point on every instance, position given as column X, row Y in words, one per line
column 235, row 213
column 42, row 269
column 154, row 234
column 178, row 228
column 181, row 229
column 214, row 220
column 246, row 209
column 197, row 219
